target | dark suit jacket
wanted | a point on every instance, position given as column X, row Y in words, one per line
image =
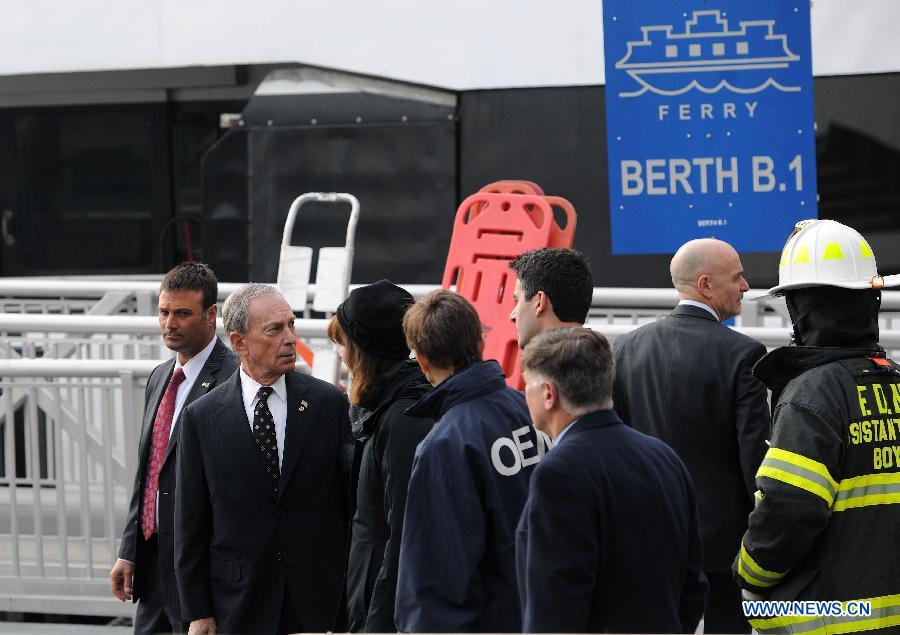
column 609, row 540
column 687, row 380
column 220, row 364
column 241, row 542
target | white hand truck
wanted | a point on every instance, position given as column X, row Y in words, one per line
column 332, row 274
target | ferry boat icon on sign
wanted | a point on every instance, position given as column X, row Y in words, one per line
column 707, row 56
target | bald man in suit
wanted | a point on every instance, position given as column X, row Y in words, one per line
column 687, row 379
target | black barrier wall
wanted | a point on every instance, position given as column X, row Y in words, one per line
column 109, row 188
column 398, row 157
column 411, row 164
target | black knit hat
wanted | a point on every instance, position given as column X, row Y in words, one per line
column 372, row 316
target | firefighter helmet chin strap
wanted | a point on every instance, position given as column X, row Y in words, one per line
column 833, row 316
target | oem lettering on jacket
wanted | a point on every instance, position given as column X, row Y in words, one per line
column 521, row 451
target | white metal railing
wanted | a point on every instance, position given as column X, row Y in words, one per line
column 128, row 324
column 104, row 296
column 108, row 296
column 33, row 345
column 104, row 336
column 76, row 295
column 124, row 336
column 69, row 434
column 769, row 336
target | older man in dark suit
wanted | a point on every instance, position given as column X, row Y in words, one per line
column 261, row 511
column 145, row 568
column 687, row 380
column 608, row 540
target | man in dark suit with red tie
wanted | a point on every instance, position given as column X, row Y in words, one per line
column 145, row 568
column 261, row 510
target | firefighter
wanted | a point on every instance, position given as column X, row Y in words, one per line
column 826, row 526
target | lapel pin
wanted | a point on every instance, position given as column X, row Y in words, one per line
column 206, row 384
column 303, row 405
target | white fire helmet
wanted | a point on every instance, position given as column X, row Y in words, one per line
column 825, row 252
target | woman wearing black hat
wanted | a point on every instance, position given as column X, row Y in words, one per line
column 368, row 329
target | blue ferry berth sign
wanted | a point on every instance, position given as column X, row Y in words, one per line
column 709, row 118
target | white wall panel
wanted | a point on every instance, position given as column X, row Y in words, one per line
column 457, row 44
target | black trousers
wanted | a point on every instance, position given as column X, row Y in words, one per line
column 152, row 616
column 724, row 613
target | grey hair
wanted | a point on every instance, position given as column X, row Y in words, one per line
column 236, row 310
column 579, row 362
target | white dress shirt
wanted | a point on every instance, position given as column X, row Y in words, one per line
column 560, row 436
column 277, row 406
column 702, row 306
column 191, row 371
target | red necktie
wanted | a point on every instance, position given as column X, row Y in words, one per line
column 161, row 428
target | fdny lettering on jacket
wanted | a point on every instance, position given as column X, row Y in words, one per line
column 876, row 429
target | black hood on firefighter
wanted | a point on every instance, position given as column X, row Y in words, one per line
column 834, row 317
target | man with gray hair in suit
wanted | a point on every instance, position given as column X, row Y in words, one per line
column 608, row 540
column 262, row 510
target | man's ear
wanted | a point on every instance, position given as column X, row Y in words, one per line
column 211, row 314
column 423, row 362
column 542, row 303
column 550, row 396
column 703, row 286
column 237, row 342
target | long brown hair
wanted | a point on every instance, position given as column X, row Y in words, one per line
column 363, row 366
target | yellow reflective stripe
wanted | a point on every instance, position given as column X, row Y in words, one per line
column 870, row 489
column 801, row 461
column 885, row 613
column 764, row 627
column 859, row 626
column 867, row 501
column 799, row 471
column 797, row 481
column 882, row 601
column 755, row 574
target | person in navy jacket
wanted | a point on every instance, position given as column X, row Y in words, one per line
column 609, row 539
column 469, row 480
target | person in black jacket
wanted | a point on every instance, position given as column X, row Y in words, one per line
column 144, row 571
column 368, row 329
column 261, row 507
column 826, row 527
column 609, row 539
column 687, row 379
column 469, row 480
